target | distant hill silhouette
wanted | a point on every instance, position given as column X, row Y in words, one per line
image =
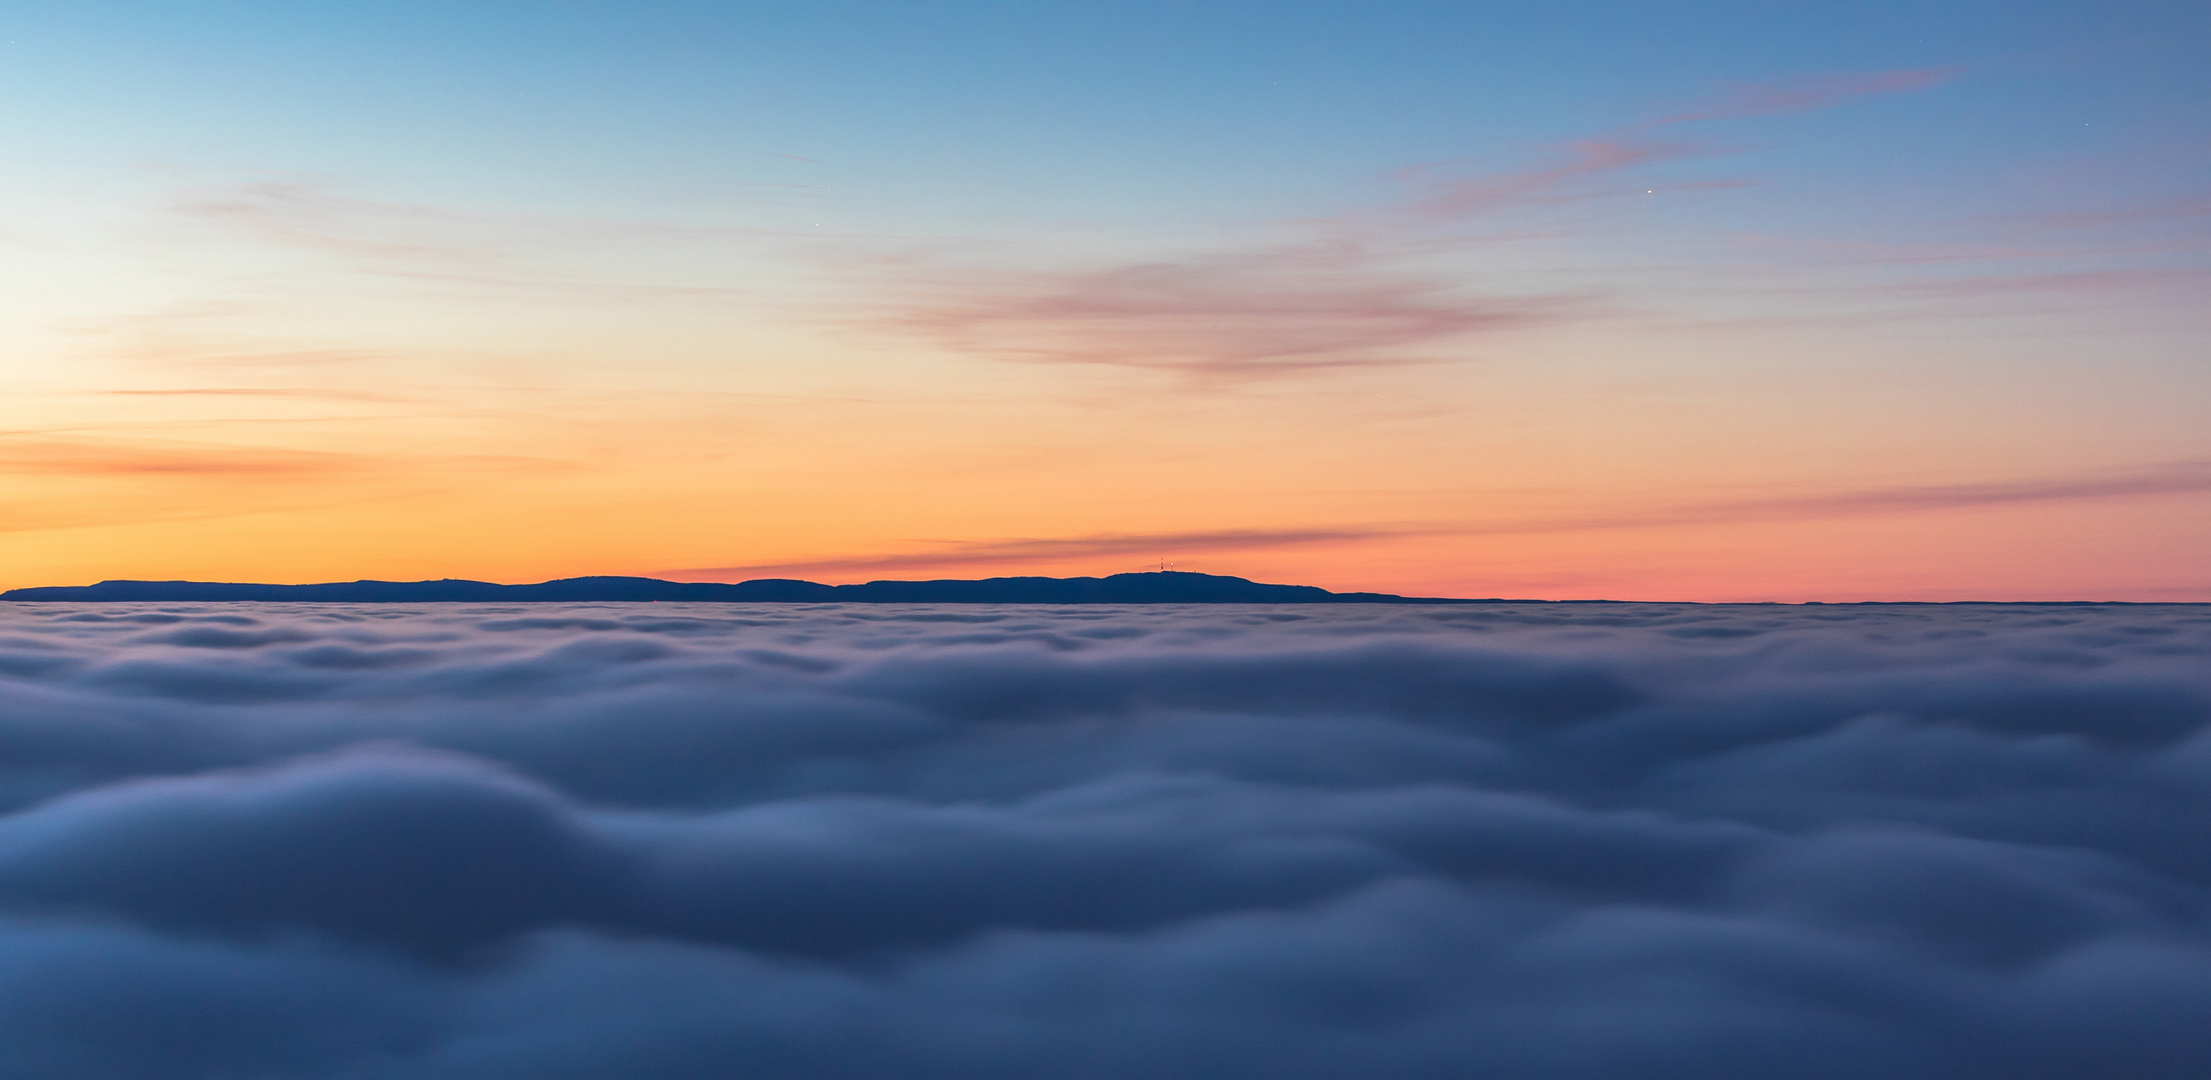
column 1164, row 587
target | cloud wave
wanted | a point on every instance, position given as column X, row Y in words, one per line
column 1574, row 840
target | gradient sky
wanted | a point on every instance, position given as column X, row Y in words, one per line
column 1710, row 301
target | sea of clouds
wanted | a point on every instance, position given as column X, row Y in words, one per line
column 677, row 841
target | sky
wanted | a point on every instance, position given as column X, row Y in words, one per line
column 1698, row 301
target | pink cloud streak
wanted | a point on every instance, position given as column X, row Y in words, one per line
column 2163, row 480
column 1344, row 297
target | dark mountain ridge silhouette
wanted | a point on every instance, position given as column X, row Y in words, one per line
column 1157, row 587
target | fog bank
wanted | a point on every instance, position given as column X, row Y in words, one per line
column 699, row 840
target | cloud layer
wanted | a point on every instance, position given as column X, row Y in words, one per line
column 703, row 840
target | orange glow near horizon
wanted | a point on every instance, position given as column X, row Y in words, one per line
column 1265, row 487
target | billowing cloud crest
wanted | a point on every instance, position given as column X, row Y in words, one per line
column 1516, row 841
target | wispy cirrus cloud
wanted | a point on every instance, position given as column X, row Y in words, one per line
column 307, row 213
column 577, row 256
column 1343, row 290
column 319, row 393
column 127, row 458
column 2173, row 478
column 1018, row 552
column 147, row 459
column 1381, row 286
column 61, row 480
column 2162, row 480
column 90, row 483
column 1229, row 317
column 2009, row 286
column 1444, row 191
column 2163, row 212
